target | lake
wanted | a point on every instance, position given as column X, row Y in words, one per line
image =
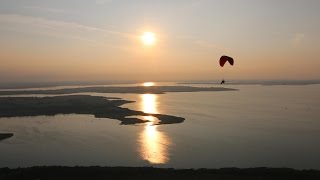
column 273, row 126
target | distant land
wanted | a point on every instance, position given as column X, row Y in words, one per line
column 120, row 89
column 27, row 85
column 255, row 82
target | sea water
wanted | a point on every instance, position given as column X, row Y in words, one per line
column 273, row 126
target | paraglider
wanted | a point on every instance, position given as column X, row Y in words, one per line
column 223, row 61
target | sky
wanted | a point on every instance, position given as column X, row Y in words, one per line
column 94, row 40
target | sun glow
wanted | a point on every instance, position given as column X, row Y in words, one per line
column 148, row 38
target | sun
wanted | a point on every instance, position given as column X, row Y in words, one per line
column 148, row 38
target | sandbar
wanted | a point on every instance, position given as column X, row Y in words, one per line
column 120, row 89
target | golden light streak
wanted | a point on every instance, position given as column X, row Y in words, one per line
column 153, row 143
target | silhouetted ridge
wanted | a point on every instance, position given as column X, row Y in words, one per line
column 140, row 173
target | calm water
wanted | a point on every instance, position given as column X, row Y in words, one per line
column 274, row 126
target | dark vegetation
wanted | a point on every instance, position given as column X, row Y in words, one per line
column 112, row 89
column 139, row 173
column 100, row 107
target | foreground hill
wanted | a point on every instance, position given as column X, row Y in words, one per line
column 139, row 173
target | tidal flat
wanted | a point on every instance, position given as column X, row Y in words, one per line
column 100, row 107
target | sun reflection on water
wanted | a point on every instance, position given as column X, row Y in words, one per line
column 153, row 143
column 148, row 84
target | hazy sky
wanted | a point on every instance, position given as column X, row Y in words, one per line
column 63, row 40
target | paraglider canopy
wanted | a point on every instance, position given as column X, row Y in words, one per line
column 224, row 59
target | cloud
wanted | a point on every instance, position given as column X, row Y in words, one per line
column 44, row 9
column 58, row 28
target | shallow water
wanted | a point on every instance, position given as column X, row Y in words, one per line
column 274, row 126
